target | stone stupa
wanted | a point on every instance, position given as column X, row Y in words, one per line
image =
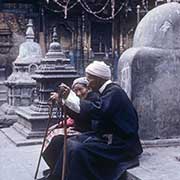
column 20, row 84
column 32, row 120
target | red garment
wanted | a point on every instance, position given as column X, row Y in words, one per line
column 58, row 129
column 69, row 122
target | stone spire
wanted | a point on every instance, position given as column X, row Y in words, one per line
column 29, row 31
column 55, row 49
column 29, row 51
column 55, row 45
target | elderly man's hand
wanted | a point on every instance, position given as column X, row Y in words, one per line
column 63, row 90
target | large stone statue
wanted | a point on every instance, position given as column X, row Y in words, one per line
column 150, row 71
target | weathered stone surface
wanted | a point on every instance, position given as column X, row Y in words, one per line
column 11, row 36
column 159, row 28
column 54, row 69
column 157, row 164
column 149, row 72
column 20, row 83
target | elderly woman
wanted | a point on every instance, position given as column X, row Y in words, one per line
column 76, row 125
column 80, row 87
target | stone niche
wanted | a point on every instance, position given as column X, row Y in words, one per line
column 149, row 72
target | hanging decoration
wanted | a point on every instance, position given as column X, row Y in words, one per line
column 113, row 8
column 66, row 5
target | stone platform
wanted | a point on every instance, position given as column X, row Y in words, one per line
column 161, row 163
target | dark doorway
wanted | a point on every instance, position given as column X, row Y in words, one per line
column 101, row 34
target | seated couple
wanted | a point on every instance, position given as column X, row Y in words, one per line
column 109, row 144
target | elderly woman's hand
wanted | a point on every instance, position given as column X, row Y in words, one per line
column 54, row 96
column 63, row 91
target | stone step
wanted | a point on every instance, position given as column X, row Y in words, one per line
column 3, row 91
column 157, row 163
column 3, row 100
column 3, row 87
column 133, row 175
column 18, row 139
column 161, row 142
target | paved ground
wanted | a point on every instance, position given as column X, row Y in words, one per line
column 19, row 163
column 159, row 164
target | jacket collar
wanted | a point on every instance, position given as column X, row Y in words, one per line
column 102, row 88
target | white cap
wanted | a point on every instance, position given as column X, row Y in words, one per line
column 99, row 69
column 81, row 80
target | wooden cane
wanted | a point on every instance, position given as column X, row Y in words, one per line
column 65, row 143
column 50, row 110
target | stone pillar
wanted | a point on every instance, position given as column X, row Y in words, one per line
column 20, row 84
column 54, row 69
column 150, row 70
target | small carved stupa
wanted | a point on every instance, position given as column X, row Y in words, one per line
column 20, row 83
column 54, row 69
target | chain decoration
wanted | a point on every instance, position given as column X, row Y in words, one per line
column 113, row 8
column 103, row 18
column 94, row 12
column 60, row 11
column 86, row 7
column 65, row 7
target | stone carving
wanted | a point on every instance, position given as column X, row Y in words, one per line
column 20, row 82
column 54, row 69
column 152, row 79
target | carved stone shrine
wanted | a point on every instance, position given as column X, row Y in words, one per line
column 54, row 69
column 20, row 83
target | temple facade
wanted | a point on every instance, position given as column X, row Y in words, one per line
column 91, row 29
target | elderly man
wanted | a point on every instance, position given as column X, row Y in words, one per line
column 113, row 146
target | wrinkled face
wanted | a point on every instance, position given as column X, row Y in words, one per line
column 94, row 82
column 81, row 90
